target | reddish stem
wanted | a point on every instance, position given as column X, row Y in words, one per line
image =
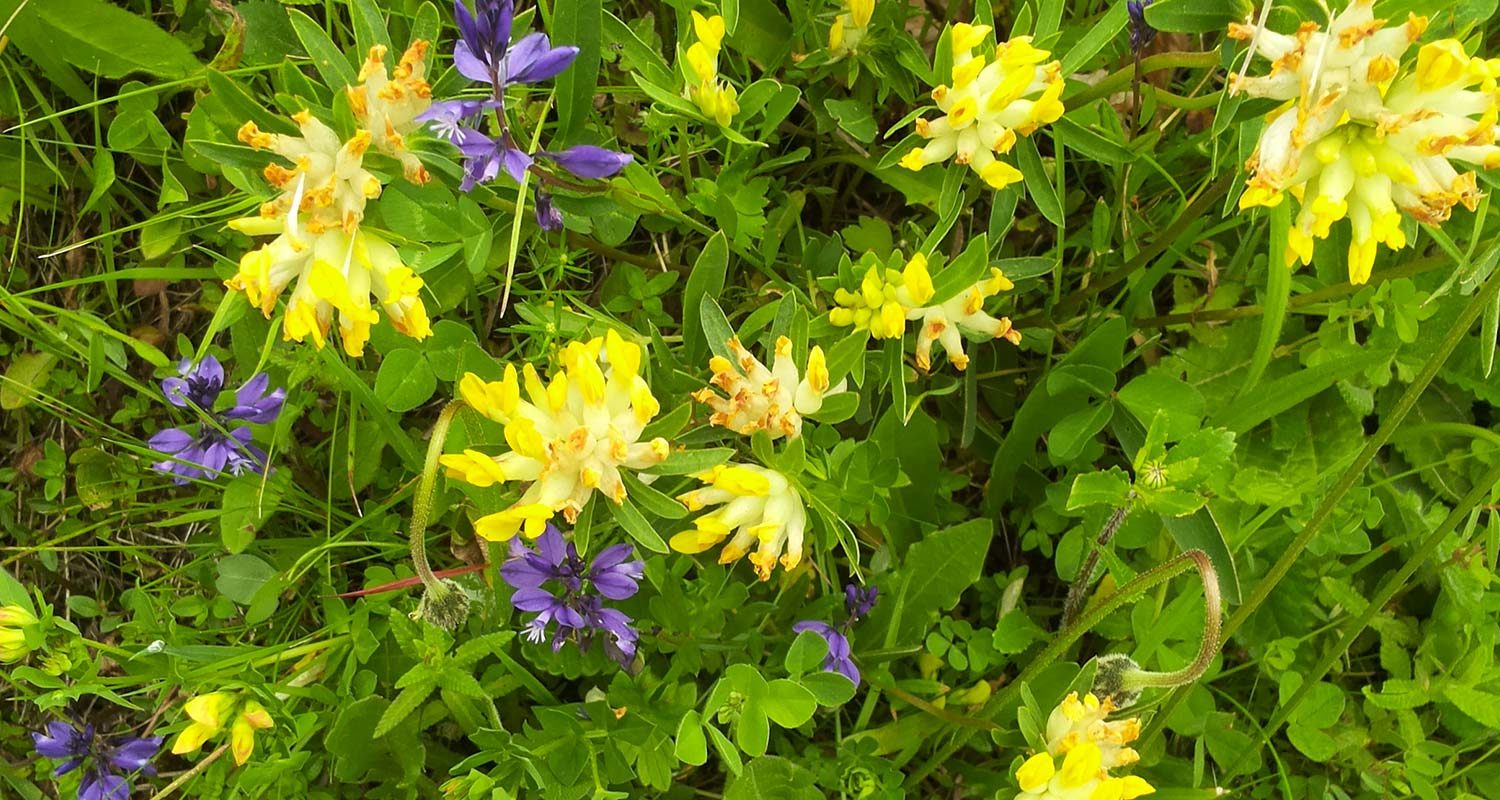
column 407, row 583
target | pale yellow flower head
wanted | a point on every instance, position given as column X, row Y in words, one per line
column 211, row 712
column 387, row 105
column 1368, row 133
column 988, row 105
column 887, row 299
column 849, row 28
column 715, row 98
column 1089, row 747
column 319, row 243
column 773, row 400
column 759, row 511
column 1076, row 721
column 567, row 437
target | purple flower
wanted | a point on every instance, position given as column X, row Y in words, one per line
column 1141, row 32
column 839, row 658
column 588, row 161
column 448, row 118
column 858, row 602
column 217, row 444
column 196, row 385
column 484, row 52
column 576, row 604
column 100, row 759
column 548, row 216
column 252, row 403
column 485, row 157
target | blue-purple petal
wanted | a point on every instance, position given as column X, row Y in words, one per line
column 589, row 161
column 534, row 59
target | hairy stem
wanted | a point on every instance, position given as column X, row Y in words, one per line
column 1085, row 575
column 1191, row 559
column 1350, row 476
column 421, row 507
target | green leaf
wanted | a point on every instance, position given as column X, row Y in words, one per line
column 753, row 730
column 650, row 499
column 788, row 703
column 726, row 750
column 691, row 745
column 688, row 462
column 704, row 283
column 830, row 688
column 405, row 704
column 241, row 576
column 248, row 501
column 937, row 570
column 1110, row 488
column 1201, row 531
column 327, row 58
column 854, row 118
column 369, row 25
column 1158, row 391
column 773, row 778
column 1038, row 185
column 578, row 23
column 105, row 39
column 1195, row 16
column 1278, row 395
column 26, row 374
column 633, row 523
column 806, row 653
column 1278, row 293
column 1015, row 632
column 1482, row 707
column 1072, row 433
column 837, row 408
column 405, row 380
column 963, row 272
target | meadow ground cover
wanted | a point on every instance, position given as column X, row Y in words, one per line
column 1049, row 400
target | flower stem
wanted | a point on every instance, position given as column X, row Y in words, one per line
column 421, row 507
column 192, row 773
column 1190, row 559
column 1320, row 516
column 1085, row 575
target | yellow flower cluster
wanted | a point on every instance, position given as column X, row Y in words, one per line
column 319, row 242
column 849, row 28
column 387, row 105
column 759, row 507
column 210, row 712
column 568, row 438
column 772, row 400
column 1089, row 747
column 715, row 98
column 887, row 299
column 1365, row 137
column 988, row 105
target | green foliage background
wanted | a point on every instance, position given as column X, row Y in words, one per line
column 1332, row 448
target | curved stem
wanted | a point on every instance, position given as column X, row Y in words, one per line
column 1190, row 559
column 1085, row 575
column 1212, row 622
column 421, row 507
column 1350, row 476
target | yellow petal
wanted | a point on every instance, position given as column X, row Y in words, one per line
column 1036, row 772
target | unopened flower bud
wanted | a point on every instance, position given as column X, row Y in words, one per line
column 445, row 606
column 1113, row 679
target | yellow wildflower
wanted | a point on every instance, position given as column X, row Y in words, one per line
column 989, row 104
column 568, row 438
column 1075, row 721
column 387, row 105
column 849, row 28
column 773, row 400
column 716, row 99
column 15, row 621
column 1363, row 136
column 209, row 713
column 887, row 299
column 1089, row 747
column 760, row 508
column 319, row 242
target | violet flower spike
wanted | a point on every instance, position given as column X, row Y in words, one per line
column 100, row 760
column 1141, row 32
column 589, row 161
column 548, row 216
column 576, row 602
column 195, row 384
column 208, row 449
